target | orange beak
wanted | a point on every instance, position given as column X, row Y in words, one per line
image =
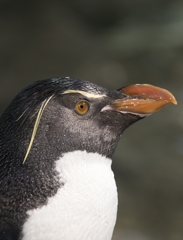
column 143, row 99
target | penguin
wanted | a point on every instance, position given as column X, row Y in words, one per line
column 57, row 139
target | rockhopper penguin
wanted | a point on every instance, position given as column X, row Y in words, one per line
column 57, row 139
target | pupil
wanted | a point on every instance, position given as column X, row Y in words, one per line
column 81, row 106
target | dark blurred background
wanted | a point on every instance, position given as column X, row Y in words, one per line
column 111, row 43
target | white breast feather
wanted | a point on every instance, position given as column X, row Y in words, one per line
column 84, row 208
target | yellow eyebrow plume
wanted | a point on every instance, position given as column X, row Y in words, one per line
column 86, row 94
column 38, row 118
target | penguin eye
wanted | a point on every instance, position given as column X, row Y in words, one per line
column 82, row 107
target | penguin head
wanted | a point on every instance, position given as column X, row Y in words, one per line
column 59, row 115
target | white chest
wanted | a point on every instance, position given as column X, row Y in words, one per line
column 84, row 208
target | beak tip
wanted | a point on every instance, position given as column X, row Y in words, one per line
column 174, row 101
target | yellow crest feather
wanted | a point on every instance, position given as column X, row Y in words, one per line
column 38, row 118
